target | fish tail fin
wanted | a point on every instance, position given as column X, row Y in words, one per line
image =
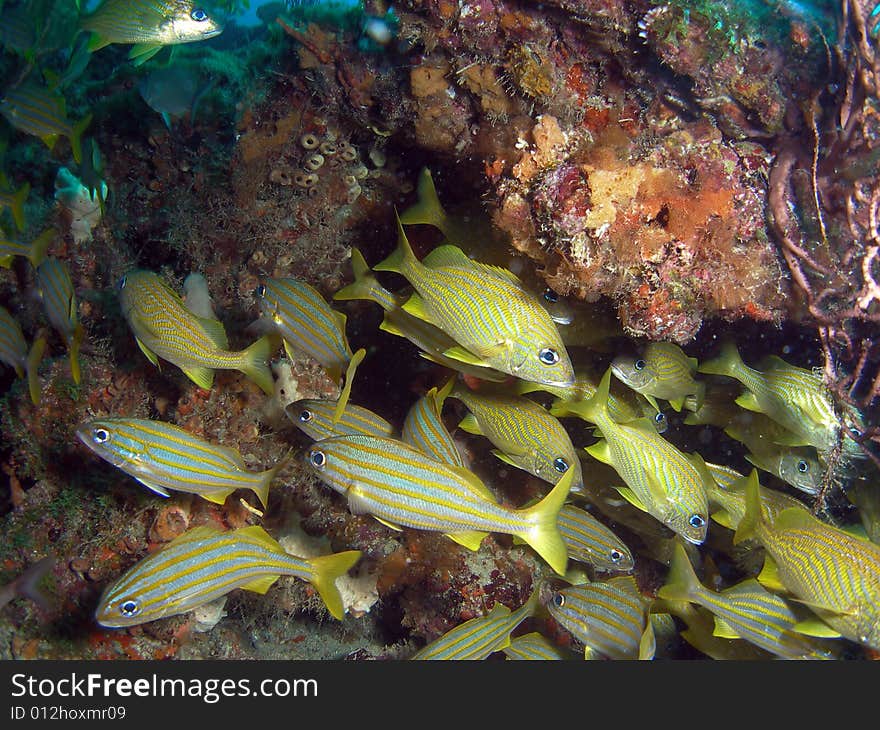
column 727, row 363
column 326, row 570
column 364, row 286
column 255, row 364
column 749, row 526
column 681, row 582
column 544, row 536
column 76, row 137
column 427, row 209
column 266, row 479
column 17, row 205
column 592, row 409
column 346, row 388
column 402, row 258
column 33, row 363
column 75, row 342
column 39, row 246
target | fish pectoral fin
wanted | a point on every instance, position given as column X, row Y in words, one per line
column 507, row 458
column 470, row 539
column 290, row 351
column 814, row 626
column 748, row 401
column 357, row 503
column 201, row 376
column 161, row 491
column 143, row 52
column 464, row 355
column 630, row 496
column 659, row 494
column 724, row 630
column 396, row 528
column 600, row 451
column 470, row 424
column 151, row 356
column 261, row 585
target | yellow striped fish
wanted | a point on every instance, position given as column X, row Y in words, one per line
column 747, row 611
column 729, row 493
column 149, row 25
column 204, row 564
column 432, row 341
column 834, row 573
column 314, row 417
column 35, row 251
column 479, row 637
column 660, row 479
column 164, row 327
column 535, row 647
column 55, row 289
column 662, row 371
column 15, row 202
column 32, row 108
column 402, row 487
column 305, row 322
column 589, row 541
column 610, row 618
column 794, row 397
column 424, row 429
column 485, row 309
column 525, row 434
column 162, row 456
column 14, row 352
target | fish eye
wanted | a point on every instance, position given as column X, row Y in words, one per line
column 317, row 459
column 616, row 556
column 129, row 608
column 198, row 15
column 560, row 464
column 261, row 291
column 305, row 416
column 803, row 467
column 101, row 435
column 558, row 600
column 122, row 282
column 855, row 432
column 659, row 417
column 551, row 296
column 548, row 356
column 639, row 364
column 696, row 521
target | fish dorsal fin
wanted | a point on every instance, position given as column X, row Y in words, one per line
column 749, row 585
column 474, row 483
column 261, row 584
column 260, row 536
column 203, row 532
column 774, row 362
column 501, row 272
column 470, row 539
column 630, row 496
column 449, row 256
column 795, row 518
column 214, row 330
column 724, row 630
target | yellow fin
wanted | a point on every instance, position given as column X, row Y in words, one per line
column 748, row 401
column 724, row 630
column 470, row 424
column 161, row 491
column 258, row 534
column 214, row 330
column 470, row 539
column 769, row 575
column 630, row 496
column 218, row 497
column 346, row 388
column 723, row 518
column 261, row 584
column 814, row 626
column 396, row 528
column 326, row 570
column 648, row 642
column 600, row 451
column 201, row 376
column 506, row 458
column 151, row 356
column 447, row 255
column 466, row 356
